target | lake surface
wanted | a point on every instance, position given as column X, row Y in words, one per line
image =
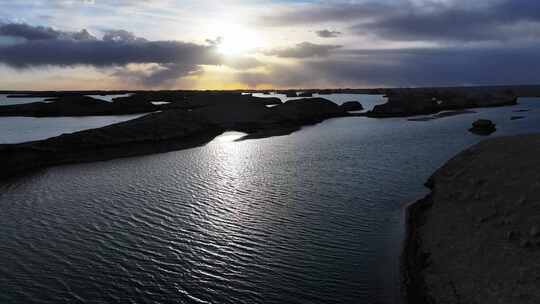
column 109, row 98
column 21, row 129
column 312, row 217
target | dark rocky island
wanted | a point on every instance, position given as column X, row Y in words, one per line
column 79, row 106
column 476, row 237
column 402, row 103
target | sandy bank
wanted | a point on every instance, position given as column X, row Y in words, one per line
column 476, row 237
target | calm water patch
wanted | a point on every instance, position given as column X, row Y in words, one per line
column 312, row 217
column 109, row 98
column 22, row 129
column 160, row 103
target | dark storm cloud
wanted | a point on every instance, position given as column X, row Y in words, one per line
column 319, row 13
column 304, row 50
column 43, row 46
column 429, row 21
column 411, row 67
column 516, row 19
column 328, row 33
column 28, row 32
column 103, row 53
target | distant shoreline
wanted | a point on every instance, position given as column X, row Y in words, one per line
column 376, row 90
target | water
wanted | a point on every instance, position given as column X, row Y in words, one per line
column 160, row 103
column 109, row 98
column 313, row 217
column 21, row 129
column 5, row 101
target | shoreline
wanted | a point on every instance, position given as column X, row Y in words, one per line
column 475, row 237
column 410, row 259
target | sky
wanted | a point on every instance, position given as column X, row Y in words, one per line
column 240, row 44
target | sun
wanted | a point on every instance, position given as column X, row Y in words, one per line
column 238, row 40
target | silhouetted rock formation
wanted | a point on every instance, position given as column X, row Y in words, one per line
column 352, row 106
column 77, row 106
column 475, row 238
column 173, row 129
column 410, row 103
column 483, row 127
column 269, row 101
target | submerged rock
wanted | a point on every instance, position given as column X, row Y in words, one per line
column 483, row 127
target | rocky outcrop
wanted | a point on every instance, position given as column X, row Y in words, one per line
column 475, row 238
column 141, row 102
column 167, row 130
column 77, row 106
column 483, row 127
column 351, row 106
column 268, row 101
column 411, row 103
column 308, row 110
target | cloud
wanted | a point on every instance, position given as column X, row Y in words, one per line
column 304, row 50
column 28, row 32
column 121, row 36
column 409, row 67
column 328, row 34
column 165, row 75
column 312, row 13
column 102, row 53
column 43, row 46
column 435, row 21
column 508, row 20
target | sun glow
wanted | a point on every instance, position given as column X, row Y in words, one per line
column 238, row 40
